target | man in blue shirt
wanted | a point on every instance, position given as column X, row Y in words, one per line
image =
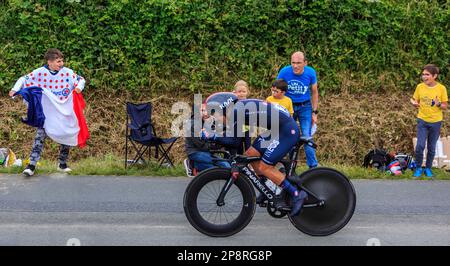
column 302, row 89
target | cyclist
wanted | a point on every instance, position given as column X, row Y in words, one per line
column 284, row 133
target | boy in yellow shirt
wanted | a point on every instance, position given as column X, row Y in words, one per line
column 279, row 88
column 430, row 98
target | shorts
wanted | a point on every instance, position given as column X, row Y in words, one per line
column 276, row 147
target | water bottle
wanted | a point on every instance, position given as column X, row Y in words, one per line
column 313, row 129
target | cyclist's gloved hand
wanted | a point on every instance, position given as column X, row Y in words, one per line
column 207, row 136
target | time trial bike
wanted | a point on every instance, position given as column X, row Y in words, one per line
column 220, row 202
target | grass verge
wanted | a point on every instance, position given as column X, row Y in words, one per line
column 112, row 165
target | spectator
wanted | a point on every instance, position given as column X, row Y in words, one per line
column 279, row 88
column 56, row 82
column 303, row 91
column 430, row 97
column 242, row 92
column 198, row 150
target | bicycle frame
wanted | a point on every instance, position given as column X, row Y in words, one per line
column 250, row 174
column 240, row 165
column 330, row 202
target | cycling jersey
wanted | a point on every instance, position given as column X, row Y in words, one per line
column 282, row 134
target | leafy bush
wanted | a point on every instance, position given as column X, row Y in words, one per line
column 195, row 45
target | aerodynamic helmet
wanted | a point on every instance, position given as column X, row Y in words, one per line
column 220, row 101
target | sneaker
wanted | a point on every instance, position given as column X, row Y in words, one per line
column 63, row 168
column 297, row 203
column 29, row 170
column 428, row 173
column 418, row 172
column 188, row 168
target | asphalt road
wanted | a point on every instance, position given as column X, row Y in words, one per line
column 106, row 210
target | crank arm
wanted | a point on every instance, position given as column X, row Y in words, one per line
column 311, row 205
column 317, row 204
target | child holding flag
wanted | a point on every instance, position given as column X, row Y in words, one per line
column 53, row 108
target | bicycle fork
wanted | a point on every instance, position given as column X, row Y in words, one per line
column 234, row 175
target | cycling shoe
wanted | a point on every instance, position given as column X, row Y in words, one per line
column 297, row 203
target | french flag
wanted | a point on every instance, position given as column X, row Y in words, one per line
column 62, row 118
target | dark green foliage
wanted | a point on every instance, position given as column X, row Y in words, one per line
column 198, row 45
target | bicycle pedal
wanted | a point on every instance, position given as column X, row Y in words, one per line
column 263, row 204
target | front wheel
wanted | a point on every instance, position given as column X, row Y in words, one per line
column 338, row 196
column 210, row 218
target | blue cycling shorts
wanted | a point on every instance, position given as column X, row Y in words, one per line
column 274, row 148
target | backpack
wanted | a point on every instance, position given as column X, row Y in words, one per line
column 377, row 158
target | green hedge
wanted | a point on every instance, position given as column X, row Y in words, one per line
column 197, row 45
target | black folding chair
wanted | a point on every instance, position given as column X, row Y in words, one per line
column 142, row 135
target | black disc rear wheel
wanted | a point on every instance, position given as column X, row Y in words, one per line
column 339, row 197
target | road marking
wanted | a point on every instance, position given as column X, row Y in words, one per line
column 94, row 225
column 373, row 242
column 73, row 242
